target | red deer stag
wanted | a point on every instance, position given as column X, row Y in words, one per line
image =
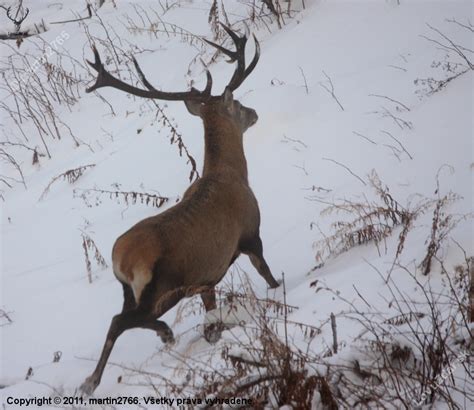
column 188, row 248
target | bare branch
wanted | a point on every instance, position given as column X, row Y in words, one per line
column 331, row 90
column 398, row 142
column 390, row 99
column 347, row 168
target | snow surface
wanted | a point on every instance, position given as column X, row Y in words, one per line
column 367, row 48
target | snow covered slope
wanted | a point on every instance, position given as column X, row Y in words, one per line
column 309, row 148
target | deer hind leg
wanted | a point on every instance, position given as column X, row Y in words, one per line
column 212, row 331
column 142, row 316
column 161, row 329
column 128, row 298
column 254, row 249
column 120, row 323
column 159, row 326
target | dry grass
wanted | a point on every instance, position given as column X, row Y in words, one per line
column 367, row 221
column 91, row 251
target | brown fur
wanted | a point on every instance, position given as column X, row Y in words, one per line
column 201, row 235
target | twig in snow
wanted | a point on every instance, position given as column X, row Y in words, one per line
column 334, row 333
column 302, row 167
column 10, row 159
column 397, row 67
column 4, row 315
column 304, row 78
column 317, row 189
column 451, row 46
column 467, row 26
column 89, row 15
column 395, row 151
column 288, row 139
column 399, row 121
column 331, row 91
column 345, row 167
column 363, row 136
column 390, row 99
column 398, row 142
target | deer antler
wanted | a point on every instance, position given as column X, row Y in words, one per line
column 240, row 73
column 105, row 79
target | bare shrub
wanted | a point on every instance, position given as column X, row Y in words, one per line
column 371, row 221
column 276, row 9
column 148, row 21
column 71, row 176
column 257, row 358
column 450, row 68
column 6, row 157
column 442, row 224
column 264, row 13
column 35, row 83
column 269, row 368
column 120, row 57
column 92, row 196
column 89, row 246
column 409, row 359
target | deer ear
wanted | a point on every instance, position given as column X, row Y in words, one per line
column 228, row 99
column 194, row 107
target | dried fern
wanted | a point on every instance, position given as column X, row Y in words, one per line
column 128, row 197
column 88, row 245
column 71, row 176
column 372, row 221
column 404, row 318
column 441, row 226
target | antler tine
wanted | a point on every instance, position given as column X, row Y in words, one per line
column 99, row 67
column 238, row 41
column 234, row 35
column 255, row 59
column 147, row 84
column 240, row 73
column 105, row 79
column 207, row 90
column 232, row 54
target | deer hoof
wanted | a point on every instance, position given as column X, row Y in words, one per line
column 276, row 284
column 213, row 332
column 167, row 336
column 88, row 387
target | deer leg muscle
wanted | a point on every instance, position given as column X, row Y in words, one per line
column 128, row 298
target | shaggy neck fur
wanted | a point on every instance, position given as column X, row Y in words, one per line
column 224, row 148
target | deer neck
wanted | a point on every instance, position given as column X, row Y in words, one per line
column 224, row 149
